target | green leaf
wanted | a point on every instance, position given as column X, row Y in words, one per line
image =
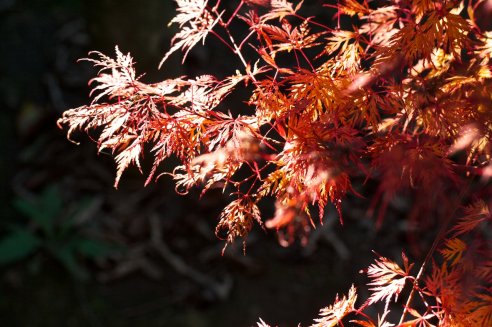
column 66, row 256
column 17, row 245
column 92, row 248
column 52, row 203
column 43, row 210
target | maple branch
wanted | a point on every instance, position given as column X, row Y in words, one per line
column 308, row 61
column 245, row 39
column 308, row 19
column 297, row 59
column 392, row 93
column 442, row 231
column 235, row 47
column 222, row 40
column 234, row 13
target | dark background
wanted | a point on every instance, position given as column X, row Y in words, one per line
column 137, row 256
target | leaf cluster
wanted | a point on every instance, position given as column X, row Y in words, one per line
column 403, row 97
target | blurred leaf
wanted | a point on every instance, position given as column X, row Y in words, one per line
column 74, row 220
column 29, row 116
column 66, row 256
column 17, row 245
column 92, row 248
column 51, row 203
column 43, row 210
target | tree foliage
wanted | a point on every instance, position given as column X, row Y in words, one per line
column 402, row 97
